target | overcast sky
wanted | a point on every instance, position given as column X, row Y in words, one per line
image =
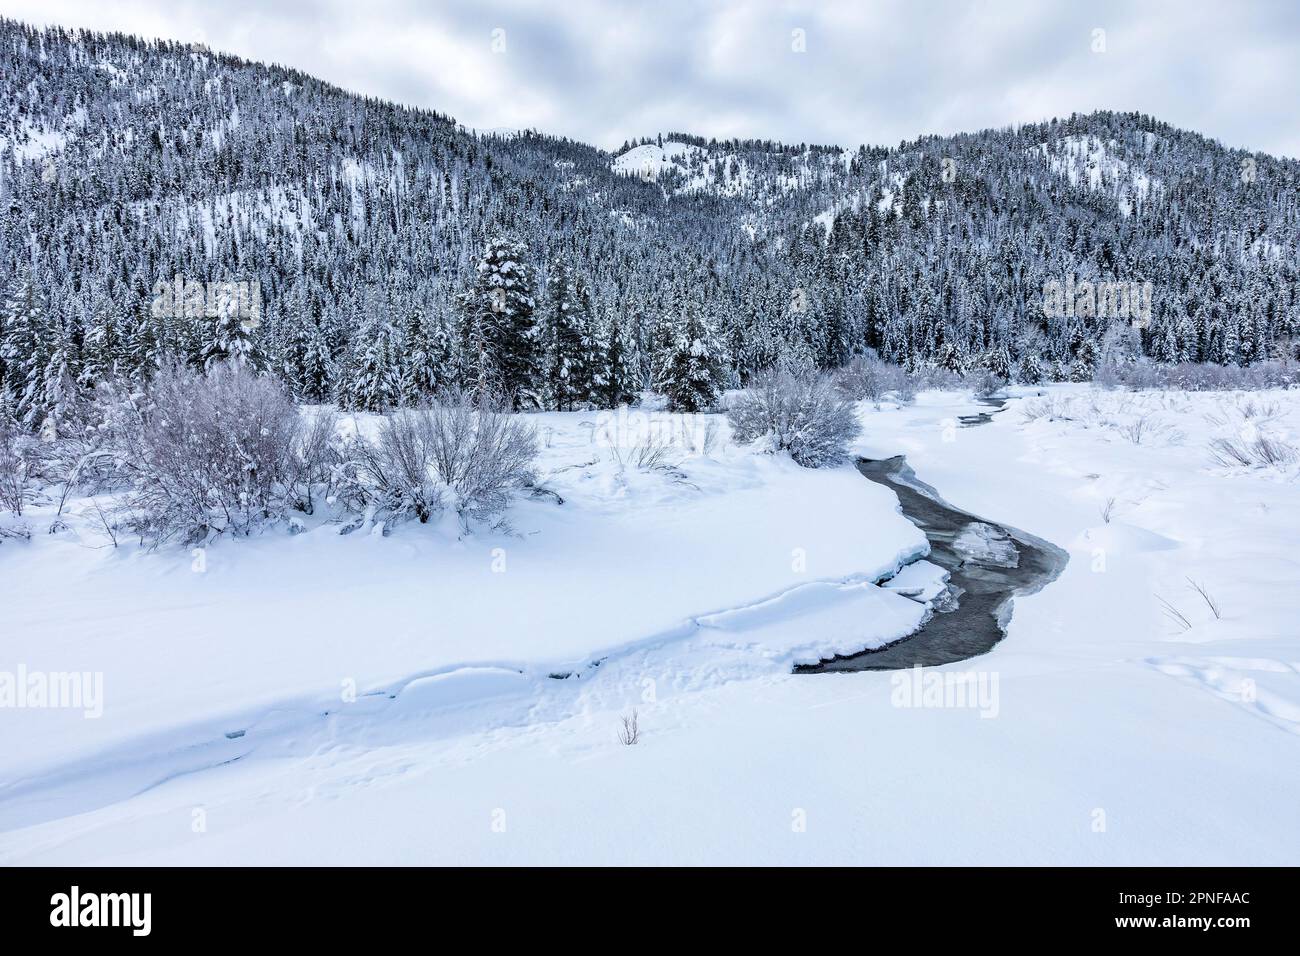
column 831, row 72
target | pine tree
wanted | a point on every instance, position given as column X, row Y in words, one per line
column 309, row 363
column 589, row 365
column 497, row 321
column 565, row 342
column 953, row 358
column 619, row 380
column 26, row 349
column 317, row 376
column 102, row 352
column 374, row 381
column 1031, row 372
column 226, row 337
column 427, row 362
column 998, row 362
column 58, row 391
column 142, row 349
column 689, row 372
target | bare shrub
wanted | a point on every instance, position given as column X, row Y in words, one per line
column 696, row 434
column 1231, row 452
column 205, row 453
column 396, row 470
column 458, row 453
column 1260, row 450
column 481, row 454
column 630, row 732
column 935, row 377
column 1108, row 375
column 16, row 466
column 1107, row 510
column 648, row 453
column 315, row 460
column 1260, row 410
column 903, row 387
column 864, row 378
column 1135, row 430
column 109, row 526
column 1175, row 616
column 983, row 383
column 1208, row 598
column 867, row 378
column 1053, row 408
column 709, row 440
column 798, row 412
column 83, row 461
column 1273, row 451
column 1202, row 377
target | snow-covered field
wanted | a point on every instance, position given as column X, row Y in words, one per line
column 404, row 698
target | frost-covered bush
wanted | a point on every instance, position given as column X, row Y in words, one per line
column 864, row 378
column 394, row 473
column 15, row 465
column 1053, row 408
column 905, row 389
column 1258, row 450
column 867, row 377
column 79, row 454
column 984, row 383
column 796, row 411
column 1202, row 376
column 315, row 461
column 937, row 377
column 205, row 453
column 465, row 455
column 481, row 454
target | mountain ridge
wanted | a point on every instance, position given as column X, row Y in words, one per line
column 128, row 162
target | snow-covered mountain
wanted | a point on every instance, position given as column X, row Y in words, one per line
column 126, row 162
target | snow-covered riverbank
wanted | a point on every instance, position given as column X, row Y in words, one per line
column 1110, row 736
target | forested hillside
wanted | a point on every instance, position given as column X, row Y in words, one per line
column 394, row 252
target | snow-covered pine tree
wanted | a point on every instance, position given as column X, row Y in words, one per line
column 226, row 337
column 1084, row 362
column 1031, row 371
column 26, row 349
column 317, row 375
column 565, row 341
column 953, row 358
column 689, row 370
column 308, row 360
column 998, row 362
column 373, row 379
column 619, row 379
column 58, row 391
column 427, row 360
column 141, row 345
column 497, row 324
column 589, row 366
column 102, row 352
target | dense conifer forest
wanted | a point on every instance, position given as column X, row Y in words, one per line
column 377, row 253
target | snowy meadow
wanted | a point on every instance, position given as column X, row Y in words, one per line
column 348, row 687
column 643, row 466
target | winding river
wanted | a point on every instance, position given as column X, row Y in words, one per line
column 988, row 565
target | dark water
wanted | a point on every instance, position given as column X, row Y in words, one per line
column 982, row 584
column 982, row 418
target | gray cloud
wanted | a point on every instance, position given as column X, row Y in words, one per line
column 879, row 72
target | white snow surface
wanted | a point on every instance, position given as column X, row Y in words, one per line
column 717, row 171
column 229, row 734
column 1088, row 160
